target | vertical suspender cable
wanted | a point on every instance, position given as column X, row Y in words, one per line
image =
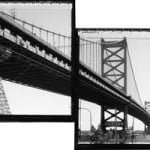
column 53, row 39
column 96, row 58
column 86, row 51
column 93, row 57
column 90, row 55
column 40, row 32
column 64, row 46
column 47, row 36
column 59, row 41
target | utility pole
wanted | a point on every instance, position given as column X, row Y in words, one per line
column 89, row 113
column 90, row 120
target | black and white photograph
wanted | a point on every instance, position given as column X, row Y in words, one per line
column 74, row 75
column 115, row 106
column 114, row 42
column 33, row 36
column 35, row 49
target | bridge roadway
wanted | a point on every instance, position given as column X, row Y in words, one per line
column 29, row 66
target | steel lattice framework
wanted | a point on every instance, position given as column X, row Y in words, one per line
column 4, row 107
column 114, row 63
column 114, row 66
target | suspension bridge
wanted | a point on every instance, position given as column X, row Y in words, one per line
column 36, row 57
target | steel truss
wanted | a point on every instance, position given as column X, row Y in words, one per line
column 120, row 121
column 114, row 63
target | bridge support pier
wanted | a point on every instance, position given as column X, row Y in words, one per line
column 112, row 118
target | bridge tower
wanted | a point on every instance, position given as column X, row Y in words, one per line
column 4, row 107
column 114, row 70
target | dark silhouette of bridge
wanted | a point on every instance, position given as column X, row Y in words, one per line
column 39, row 58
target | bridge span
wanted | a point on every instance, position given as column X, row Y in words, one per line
column 27, row 59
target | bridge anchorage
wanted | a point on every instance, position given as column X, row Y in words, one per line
column 114, row 64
